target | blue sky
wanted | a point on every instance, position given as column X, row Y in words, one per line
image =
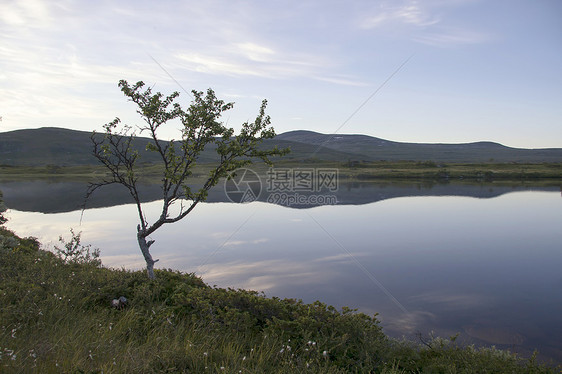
column 477, row 70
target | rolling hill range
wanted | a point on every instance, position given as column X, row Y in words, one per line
column 64, row 147
column 369, row 148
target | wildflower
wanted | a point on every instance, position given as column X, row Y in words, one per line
column 244, row 358
column 325, row 353
column 222, row 367
column 282, row 350
column 205, row 354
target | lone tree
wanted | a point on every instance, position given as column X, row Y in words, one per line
column 200, row 127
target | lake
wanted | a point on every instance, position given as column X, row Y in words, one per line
column 482, row 260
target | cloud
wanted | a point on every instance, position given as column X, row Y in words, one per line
column 410, row 14
column 340, row 258
column 264, row 275
column 452, row 301
column 253, row 60
column 447, row 36
column 231, row 243
column 248, row 61
column 27, row 13
column 408, row 323
column 422, row 23
column 346, row 81
column 255, row 52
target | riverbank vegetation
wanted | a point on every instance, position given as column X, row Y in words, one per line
column 360, row 170
column 57, row 316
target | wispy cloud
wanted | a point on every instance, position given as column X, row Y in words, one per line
column 345, row 81
column 27, row 13
column 265, row 274
column 452, row 300
column 248, row 60
column 408, row 322
column 411, row 13
column 256, row 52
column 422, row 22
column 253, row 60
column 447, row 36
column 245, row 242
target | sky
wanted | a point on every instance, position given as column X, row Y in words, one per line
column 433, row 71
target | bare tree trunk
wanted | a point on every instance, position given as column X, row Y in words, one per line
column 144, row 247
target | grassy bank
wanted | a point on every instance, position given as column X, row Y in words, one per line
column 56, row 316
column 427, row 170
column 432, row 170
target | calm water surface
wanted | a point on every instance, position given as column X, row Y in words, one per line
column 487, row 268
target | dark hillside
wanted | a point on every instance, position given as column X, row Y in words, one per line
column 64, row 147
column 371, row 148
column 56, row 146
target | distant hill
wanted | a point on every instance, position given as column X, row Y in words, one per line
column 64, row 147
column 58, row 146
column 369, row 148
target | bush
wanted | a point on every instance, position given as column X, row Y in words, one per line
column 73, row 251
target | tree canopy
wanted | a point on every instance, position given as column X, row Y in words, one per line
column 201, row 127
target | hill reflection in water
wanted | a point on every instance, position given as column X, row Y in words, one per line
column 60, row 195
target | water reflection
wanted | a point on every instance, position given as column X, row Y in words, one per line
column 487, row 268
column 62, row 195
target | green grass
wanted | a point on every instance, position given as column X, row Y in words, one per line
column 56, row 317
column 444, row 171
column 427, row 170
